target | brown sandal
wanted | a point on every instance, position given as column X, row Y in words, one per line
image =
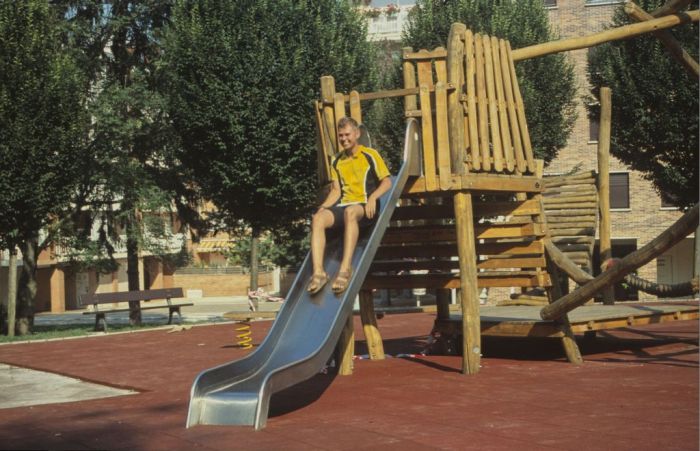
column 341, row 281
column 317, row 282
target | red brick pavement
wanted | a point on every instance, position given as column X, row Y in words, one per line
column 638, row 390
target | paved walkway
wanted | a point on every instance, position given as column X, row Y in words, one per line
column 638, row 390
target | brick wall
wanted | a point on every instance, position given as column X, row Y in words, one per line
column 645, row 218
column 221, row 284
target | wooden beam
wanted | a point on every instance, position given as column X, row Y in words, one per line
column 613, row 34
column 346, row 348
column 424, row 54
column 432, row 233
column 488, row 182
column 667, row 239
column 666, row 38
column 604, row 185
column 416, row 186
column 469, row 294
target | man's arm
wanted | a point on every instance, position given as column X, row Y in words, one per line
column 371, row 206
column 332, row 197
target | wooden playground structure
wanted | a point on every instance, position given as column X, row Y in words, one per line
column 478, row 213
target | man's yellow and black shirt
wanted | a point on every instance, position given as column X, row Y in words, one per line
column 358, row 175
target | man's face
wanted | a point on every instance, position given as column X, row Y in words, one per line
column 348, row 137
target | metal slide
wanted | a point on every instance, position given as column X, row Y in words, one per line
column 305, row 332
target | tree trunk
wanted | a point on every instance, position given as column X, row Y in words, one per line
column 254, row 260
column 12, row 292
column 26, row 293
column 132, row 271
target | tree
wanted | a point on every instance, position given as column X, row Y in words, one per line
column 43, row 125
column 654, row 108
column 547, row 84
column 132, row 142
column 241, row 80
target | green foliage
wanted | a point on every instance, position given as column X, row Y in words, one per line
column 654, row 106
column 547, row 83
column 241, row 78
column 134, row 169
column 43, row 120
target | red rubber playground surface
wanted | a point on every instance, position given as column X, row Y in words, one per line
column 638, row 390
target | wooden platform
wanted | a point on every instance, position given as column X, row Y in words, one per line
column 524, row 321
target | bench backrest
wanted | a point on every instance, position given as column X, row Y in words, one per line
column 126, row 296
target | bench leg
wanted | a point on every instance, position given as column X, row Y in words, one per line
column 100, row 322
column 179, row 315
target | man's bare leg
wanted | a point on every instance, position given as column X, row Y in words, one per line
column 319, row 223
column 352, row 216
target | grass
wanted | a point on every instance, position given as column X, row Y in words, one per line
column 47, row 332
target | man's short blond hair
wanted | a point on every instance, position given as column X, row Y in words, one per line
column 348, row 121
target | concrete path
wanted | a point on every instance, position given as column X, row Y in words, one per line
column 23, row 387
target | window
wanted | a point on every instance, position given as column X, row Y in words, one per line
column 667, row 201
column 619, row 190
column 550, row 3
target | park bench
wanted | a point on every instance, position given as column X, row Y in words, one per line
column 99, row 299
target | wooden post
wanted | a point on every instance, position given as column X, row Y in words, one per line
column 369, row 326
column 470, row 82
column 431, row 180
column 346, row 348
column 409, row 81
column 666, row 38
column 481, row 103
column 455, row 57
column 466, row 247
column 512, row 112
column 613, row 34
column 339, row 111
column 442, row 131
column 324, row 146
column 508, row 154
column 604, row 185
column 665, row 241
column 355, row 109
column 328, row 99
column 497, row 150
column 568, row 341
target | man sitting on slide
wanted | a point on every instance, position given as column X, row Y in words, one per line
column 359, row 178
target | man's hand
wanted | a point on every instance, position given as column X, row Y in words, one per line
column 370, row 207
